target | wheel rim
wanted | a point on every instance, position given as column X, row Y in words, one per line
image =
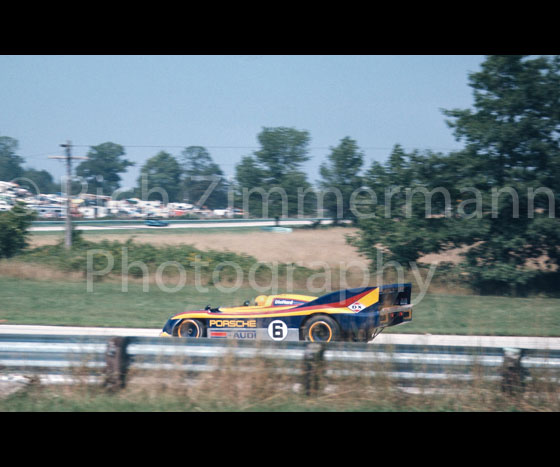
column 188, row 329
column 320, row 331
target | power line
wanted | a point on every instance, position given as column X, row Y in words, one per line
column 170, row 146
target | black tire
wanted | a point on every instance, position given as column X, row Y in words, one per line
column 321, row 328
column 190, row 328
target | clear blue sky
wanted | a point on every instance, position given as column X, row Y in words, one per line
column 222, row 103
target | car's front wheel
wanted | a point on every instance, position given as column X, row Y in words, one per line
column 321, row 328
column 192, row 328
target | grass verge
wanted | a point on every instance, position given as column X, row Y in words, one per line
column 264, row 390
column 26, row 301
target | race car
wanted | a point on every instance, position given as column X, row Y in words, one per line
column 357, row 315
column 156, row 223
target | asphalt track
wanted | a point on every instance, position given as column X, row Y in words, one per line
column 181, row 225
column 549, row 343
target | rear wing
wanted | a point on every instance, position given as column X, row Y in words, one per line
column 395, row 304
column 395, row 295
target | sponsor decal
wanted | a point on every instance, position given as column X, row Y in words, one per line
column 233, row 323
column 218, row 334
column 356, row 307
column 245, row 335
column 286, row 301
column 233, row 333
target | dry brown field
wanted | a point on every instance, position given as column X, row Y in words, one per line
column 305, row 247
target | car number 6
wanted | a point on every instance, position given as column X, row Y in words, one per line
column 277, row 330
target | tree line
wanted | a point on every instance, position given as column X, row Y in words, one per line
column 269, row 182
column 497, row 198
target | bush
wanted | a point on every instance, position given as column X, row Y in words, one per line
column 13, row 230
column 124, row 254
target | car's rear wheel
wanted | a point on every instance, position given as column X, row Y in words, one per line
column 321, row 328
column 192, row 328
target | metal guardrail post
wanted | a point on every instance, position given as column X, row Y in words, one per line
column 116, row 360
column 313, row 368
column 512, row 372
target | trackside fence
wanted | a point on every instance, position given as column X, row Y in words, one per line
column 310, row 368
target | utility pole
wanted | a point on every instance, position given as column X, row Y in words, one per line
column 68, row 158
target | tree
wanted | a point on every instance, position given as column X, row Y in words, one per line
column 160, row 177
column 38, row 181
column 513, row 130
column 10, row 162
column 340, row 179
column 482, row 197
column 203, row 180
column 512, row 139
column 13, row 230
column 395, row 226
column 101, row 170
column 270, row 181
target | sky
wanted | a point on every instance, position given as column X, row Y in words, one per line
column 153, row 103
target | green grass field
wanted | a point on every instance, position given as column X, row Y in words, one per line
column 24, row 301
column 57, row 302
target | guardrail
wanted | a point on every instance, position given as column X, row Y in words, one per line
column 115, row 361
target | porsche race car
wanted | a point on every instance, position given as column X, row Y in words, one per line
column 357, row 314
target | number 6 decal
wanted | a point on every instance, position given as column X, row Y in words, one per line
column 277, row 330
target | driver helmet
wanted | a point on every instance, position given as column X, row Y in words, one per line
column 260, row 300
